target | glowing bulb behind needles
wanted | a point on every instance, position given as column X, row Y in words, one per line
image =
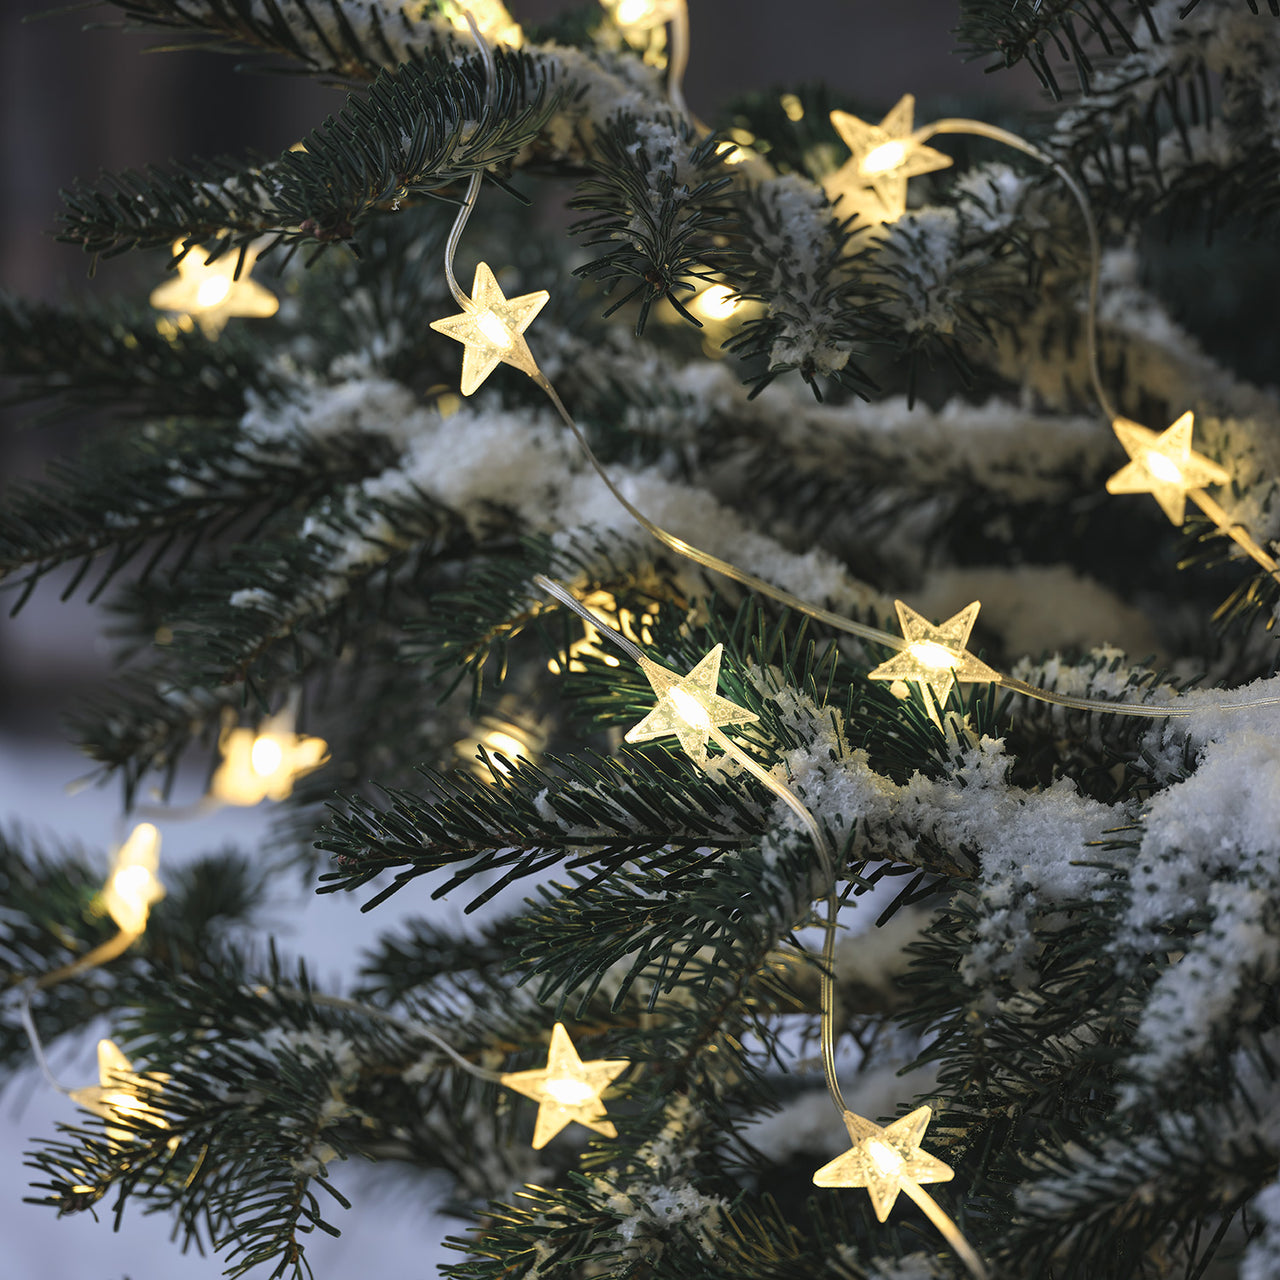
column 212, row 291
column 132, row 886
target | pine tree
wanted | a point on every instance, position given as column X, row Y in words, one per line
column 848, row 375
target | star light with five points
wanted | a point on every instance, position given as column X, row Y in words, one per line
column 884, row 156
column 1163, row 464
column 935, row 656
column 132, row 886
column 688, row 706
column 567, row 1089
column 208, row 293
column 491, row 329
column 121, row 1093
column 884, row 1159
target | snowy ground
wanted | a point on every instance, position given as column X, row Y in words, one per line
column 391, row 1231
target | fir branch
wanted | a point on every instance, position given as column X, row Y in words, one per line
column 166, row 491
column 600, row 810
column 661, row 198
column 114, row 355
column 1035, row 30
column 353, row 42
column 414, row 132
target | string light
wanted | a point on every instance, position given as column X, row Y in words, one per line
column 883, row 157
column 1165, row 466
column 889, row 1160
column 122, row 1094
column 688, row 706
column 567, row 1090
column 209, row 294
column 491, row 327
column 935, row 657
column 265, row 763
column 132, row 885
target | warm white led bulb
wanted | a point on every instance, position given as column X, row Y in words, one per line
column 932, row 655
column 132, row 886
column 1164, row 469
column 691, row 710
column 265, row 756
column 570, row 1093
column 212, row 291
column 884, row 158
column 716, row 302
column 494, row 330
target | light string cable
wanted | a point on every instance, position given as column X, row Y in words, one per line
column 978, row 128
column 26, row 991
column 678, row 59
column 473, row 183
column 406, row 1025
column 726, row 569
column 689, row 709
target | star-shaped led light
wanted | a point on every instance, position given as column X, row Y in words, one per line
column 121, row 1093
column 883, row 157
column 1163, row 465
column 491, row 329
column 265, row 763
column 688, row 706
column 208, row 293
column 567, row 1089
column 884, row 1159
column 131, row 885
column 935, row 656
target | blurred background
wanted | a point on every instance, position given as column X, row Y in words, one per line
column 78, row 99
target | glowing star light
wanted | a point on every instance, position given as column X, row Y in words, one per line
column 1163, row 465
column 490, row 329
column 208, row 293
column 121, row 1094
column 885, row 1161
column 884, row 156
column 935, row 656
column 567, row 1089
column 132, row 886
column 264, row 764
column 688, row 706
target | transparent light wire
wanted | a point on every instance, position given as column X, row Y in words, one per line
column 978, row 128
column 678, row 59
column 946, row 1227
column 407, row 1026
column 473, row 183
column 27, row 990
column 793, row 802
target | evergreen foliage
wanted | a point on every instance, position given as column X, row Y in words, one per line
column 1061, row 926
